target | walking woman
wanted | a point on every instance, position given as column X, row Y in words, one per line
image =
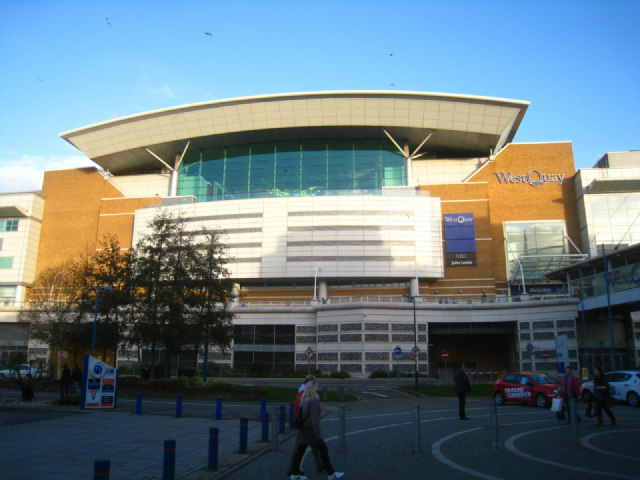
column 311, row 434
column 601, row 394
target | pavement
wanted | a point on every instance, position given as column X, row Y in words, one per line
column 380, row 440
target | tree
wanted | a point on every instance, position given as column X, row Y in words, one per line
column 177, row 276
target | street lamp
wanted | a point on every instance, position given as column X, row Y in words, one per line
column 315, row 279
column 412, row 299
column 53, row 285
column 95, row 319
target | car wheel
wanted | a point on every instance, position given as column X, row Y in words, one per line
column 541, row 400
column 633, row 398
column 586, row 396
column 499, row 398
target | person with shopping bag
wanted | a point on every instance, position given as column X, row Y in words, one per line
column 569, row 389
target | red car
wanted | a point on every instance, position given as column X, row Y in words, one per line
column 525, row 387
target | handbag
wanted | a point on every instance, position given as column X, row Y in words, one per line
column 556, row 404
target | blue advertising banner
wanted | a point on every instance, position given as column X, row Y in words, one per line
column 460, row 239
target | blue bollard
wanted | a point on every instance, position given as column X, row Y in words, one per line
column 178, row 406
column 281, row 422
column 265, row 427
column 218, row 408
column 213, row 448
column 244, row 433
column 101, row 469
column 169, row 464
column 138, row 403
column 291, row 408
column 263, row 407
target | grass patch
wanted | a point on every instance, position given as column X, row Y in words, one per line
column 477, row 390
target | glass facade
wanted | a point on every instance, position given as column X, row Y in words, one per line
column 613, row 219
column 337, row 167
column 534, row 248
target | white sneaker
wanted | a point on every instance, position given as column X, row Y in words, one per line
column 336, row 475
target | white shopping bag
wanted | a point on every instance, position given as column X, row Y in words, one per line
column 556, row 404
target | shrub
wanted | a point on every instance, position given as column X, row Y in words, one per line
column 379, row 374
column 340, row 375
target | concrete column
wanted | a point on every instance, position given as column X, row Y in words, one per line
column 322, row 289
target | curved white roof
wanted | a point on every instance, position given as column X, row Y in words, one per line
column 461, row 125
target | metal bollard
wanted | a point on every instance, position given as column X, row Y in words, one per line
column 575, row 434
column 101, row 469
column 291, row 408
column 281, row 423
column 213, row 448
column 342, row 393
column 493, row 420
column 263, row 407
column 342, row 431
column 138, row 403
column 324, row 393
column 244, row 433
column 178, row 406
column 218, row 408
column 169, row 464
column 416, row 429
column 265, row 427
column 274, row 430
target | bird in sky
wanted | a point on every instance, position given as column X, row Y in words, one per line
column 392, row 84
column 108, row 21
column 209, row 34
column 391, row 54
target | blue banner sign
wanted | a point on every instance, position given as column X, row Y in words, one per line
column 460, row 239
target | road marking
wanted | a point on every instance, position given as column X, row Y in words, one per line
column 436, row 452
column 378, row 394
column 509, row 444
column 587, row 443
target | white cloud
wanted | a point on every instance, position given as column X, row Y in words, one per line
column 24, row 173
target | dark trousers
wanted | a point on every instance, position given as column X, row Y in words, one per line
column 314, row 450
column 602, row 405
column 461, row 402
column 324, row 454
column 567, row 404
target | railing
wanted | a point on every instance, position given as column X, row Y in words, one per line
column 439, row 300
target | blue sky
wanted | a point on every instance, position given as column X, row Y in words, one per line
column 62, row 66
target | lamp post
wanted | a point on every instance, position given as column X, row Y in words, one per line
column 95, row 319
column 315, row 280
column 412, row 299
column 53, row 285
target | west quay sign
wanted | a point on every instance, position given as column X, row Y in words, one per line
column 534, row 178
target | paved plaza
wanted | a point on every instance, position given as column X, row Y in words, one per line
column 381, row 441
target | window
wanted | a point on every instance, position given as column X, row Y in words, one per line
column 6, row 262
column 7, row 294
column 8, row 225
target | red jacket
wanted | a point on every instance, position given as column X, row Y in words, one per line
column 573, row 389
column 296, row 403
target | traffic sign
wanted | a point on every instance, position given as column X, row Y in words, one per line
column 444, row 354
column 545, row 354
column 415, row 351
column 309, row 353
column 397, row 351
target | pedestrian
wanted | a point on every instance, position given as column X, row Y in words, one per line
column 462, row 387
column 76, row 376
column 314, row 450
column 65, row 381
column 601, row 394
column 311, row 433
column 570, row 389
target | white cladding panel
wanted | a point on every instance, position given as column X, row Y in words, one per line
column 345, row 236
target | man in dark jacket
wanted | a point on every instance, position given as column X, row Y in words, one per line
column 65, row 381
column 462, row 386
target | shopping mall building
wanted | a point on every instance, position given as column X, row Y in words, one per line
column 357, row 224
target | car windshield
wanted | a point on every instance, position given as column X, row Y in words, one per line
column 542, row 378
